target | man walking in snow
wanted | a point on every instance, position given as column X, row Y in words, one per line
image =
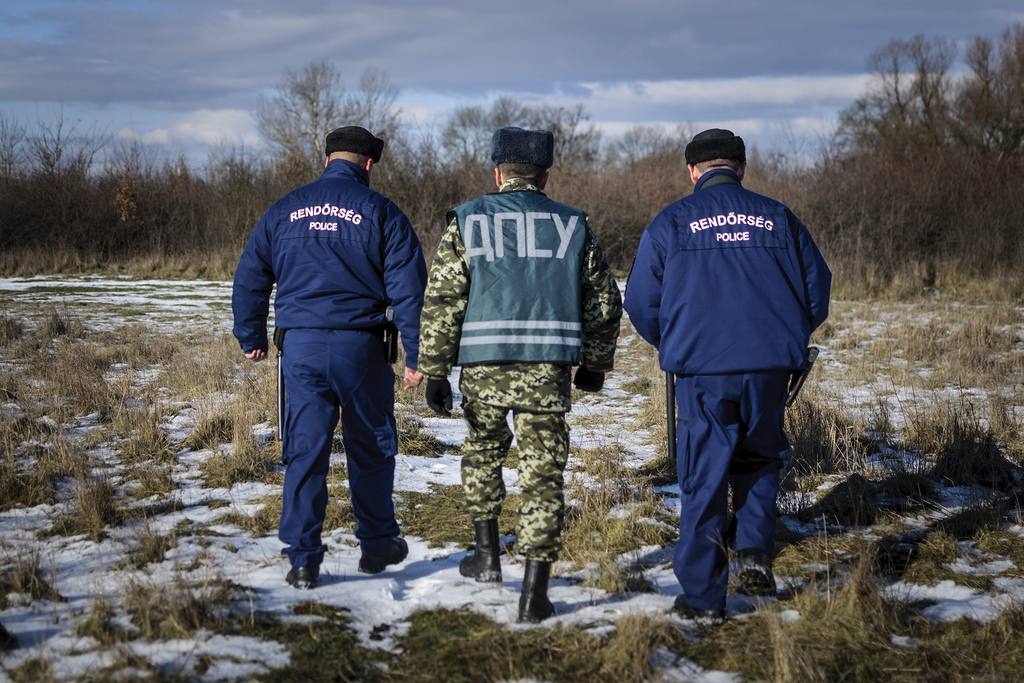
column 519, row 293
column 728, row 286
column 343, row 257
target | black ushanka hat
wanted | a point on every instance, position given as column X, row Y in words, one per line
column 511, row 145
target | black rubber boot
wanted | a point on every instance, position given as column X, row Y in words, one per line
column 484, row 564
column 534, row 605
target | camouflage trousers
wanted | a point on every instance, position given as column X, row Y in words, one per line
column 543, row 450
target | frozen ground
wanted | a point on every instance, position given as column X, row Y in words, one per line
column 82, row 570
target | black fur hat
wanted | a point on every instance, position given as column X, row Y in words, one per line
column 511, row 145
column 715, row 143
column 356, row 140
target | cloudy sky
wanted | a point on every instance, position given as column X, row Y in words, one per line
column 187, row 73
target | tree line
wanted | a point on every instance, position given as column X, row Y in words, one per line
column 917, row 188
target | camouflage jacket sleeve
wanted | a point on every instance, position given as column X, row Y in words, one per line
column 601, row 306
column 444, row 305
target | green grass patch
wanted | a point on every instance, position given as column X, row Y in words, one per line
column 439, row 517
column 248, row 461
column 412, row 440
column 268, row 517
column 461, row 647
column 324, row 648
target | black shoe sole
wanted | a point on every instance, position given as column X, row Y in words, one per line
column 701, row 617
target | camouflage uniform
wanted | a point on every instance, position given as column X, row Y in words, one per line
column 537, row 394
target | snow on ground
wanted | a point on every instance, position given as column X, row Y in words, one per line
column 82, row 570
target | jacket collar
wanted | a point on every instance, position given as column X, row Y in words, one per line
column 340, row 169
column 518, row 185
column 717, row 176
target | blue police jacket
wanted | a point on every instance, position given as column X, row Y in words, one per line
column 727, row 281
column 340, row 254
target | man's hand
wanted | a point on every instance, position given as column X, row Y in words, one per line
column 588, row 380
column 412, row 379
column 439, row 396
column 256, row 355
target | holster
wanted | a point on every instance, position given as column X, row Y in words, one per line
column 391, row 342
column 390, row 336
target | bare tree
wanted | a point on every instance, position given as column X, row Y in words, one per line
column 576, row 145
column 910, row 98
column 313, row 101
column 373, row 106
column 989, row 104
column 12, row 137
column 306, row 107
column 60, row 150
column 646, row 141
column 467, row 135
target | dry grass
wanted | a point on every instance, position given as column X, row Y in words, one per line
column 907, row 368
column 161, row 610
column 268, row 516
column 144, row 438
column 93, row 507
column 31, row 472
column 965, row 449
column 11, row 329
column 149, row 547
column 22, row 572
column 614, row 512
column 823, row 435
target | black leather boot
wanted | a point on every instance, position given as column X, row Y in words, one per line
column 484, row 564
column 755, row 575
column 534, row 605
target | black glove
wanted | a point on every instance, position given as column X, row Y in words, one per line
column 588, row 380
column 439, row 396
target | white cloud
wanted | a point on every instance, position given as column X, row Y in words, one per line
column 787, row 90
column 203, row 127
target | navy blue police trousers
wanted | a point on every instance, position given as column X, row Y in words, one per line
column 325, row 370
column 729, row 433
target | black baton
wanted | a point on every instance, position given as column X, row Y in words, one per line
column 279, row 343
column 797, row 382
column 670, row 413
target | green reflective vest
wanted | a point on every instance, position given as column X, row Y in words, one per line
column 525, row 253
